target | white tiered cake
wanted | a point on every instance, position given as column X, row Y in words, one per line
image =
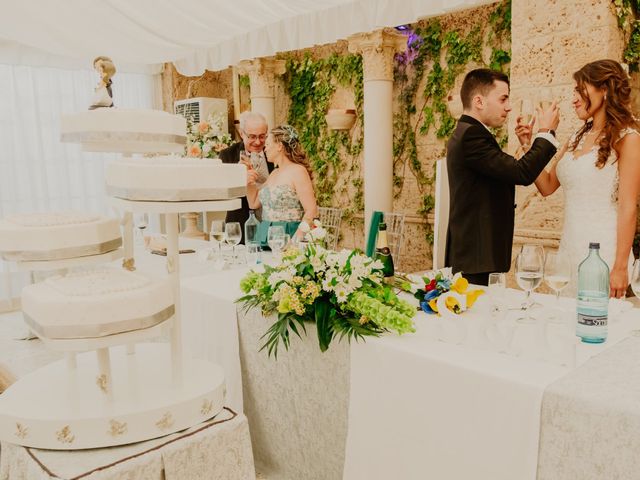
column 91, row 304
column 57, row 236
column 175, row 179
column 125, row 131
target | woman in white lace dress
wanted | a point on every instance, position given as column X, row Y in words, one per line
column 599, row 170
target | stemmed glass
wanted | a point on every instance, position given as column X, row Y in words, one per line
column 141, row 221
column 233, row 235
column 545, row 99
column 496, row 288
column 526, row 111
column 216, row 234
column 557, row 275
column 276, row 239
column 529, row 272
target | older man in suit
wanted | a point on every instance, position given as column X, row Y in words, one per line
column 482, row 177
column 253, row 130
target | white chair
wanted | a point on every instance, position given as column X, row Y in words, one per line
column 331, row 218
column 395, row 234
column 441, row 214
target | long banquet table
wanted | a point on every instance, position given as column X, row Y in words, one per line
column 406, row 407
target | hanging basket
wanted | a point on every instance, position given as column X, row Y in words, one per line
column 340, row 119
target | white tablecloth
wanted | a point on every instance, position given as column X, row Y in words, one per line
column 420, row 408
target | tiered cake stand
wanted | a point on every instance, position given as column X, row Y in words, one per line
column 118, row 396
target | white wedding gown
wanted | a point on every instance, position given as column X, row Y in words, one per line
column 590, row 208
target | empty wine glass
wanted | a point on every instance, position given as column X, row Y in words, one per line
column 496, row 289
column 141, row 221
column 276, row 239
column 233, row 235
column 635, row 278
column 216, row 234
column 529, row 272
column 557, row 275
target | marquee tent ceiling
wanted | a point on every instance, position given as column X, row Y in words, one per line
column 198, row 34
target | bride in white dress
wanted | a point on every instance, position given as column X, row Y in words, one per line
column 599, row 170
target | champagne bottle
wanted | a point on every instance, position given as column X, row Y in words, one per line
column 383, row 253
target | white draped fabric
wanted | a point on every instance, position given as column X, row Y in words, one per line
column 201, row 34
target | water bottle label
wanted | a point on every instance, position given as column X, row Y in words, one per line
column 592, row 320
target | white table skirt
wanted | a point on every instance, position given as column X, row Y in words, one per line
column 216, row 450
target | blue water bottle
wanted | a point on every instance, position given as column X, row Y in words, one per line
column 593, row 297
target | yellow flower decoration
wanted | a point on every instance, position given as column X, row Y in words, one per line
column 472, row 296
column 460, row 285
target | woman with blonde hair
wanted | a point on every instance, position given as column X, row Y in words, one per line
column 287, row 194
column 599, row 170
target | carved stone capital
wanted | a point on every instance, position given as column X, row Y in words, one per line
column 262, row 74
column 377, row 49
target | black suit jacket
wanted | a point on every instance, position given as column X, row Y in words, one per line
column 482, row 180
column 232, row 155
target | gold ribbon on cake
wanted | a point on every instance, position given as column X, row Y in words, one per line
column 63, row 253
column 67, row 332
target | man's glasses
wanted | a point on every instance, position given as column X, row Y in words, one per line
column 252, row 138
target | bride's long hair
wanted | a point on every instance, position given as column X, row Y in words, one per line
column 612, row 78
column 288, row 137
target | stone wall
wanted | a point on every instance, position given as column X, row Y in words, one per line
column 548, row 43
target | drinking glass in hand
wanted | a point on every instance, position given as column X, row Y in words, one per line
column 216, row 234
column 529, row 272
column 635, row 278
column 526, row 111
column 557, row 274
column 276, row 238
column 233, row 235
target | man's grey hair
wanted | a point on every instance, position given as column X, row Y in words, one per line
column 249, row 116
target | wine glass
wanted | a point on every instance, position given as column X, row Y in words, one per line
column 141, row 221
column 545, row 98
column 276, row 238
column 496, row 289
column 233, row 235
column 557, row 275
column 526, row 111
column 216, row 234
column 529, row 272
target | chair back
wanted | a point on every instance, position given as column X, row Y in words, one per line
column 441, row 222
column 395, row 233
column 331, row 217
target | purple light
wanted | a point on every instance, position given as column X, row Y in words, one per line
column 402, row 28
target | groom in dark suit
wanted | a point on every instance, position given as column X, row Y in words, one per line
column 482, row 177
column 253, row 130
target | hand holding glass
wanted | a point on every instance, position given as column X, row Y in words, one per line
column 526, row 111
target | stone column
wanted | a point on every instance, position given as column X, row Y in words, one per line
column 262, row 74
column 549, row 42
column 377, row 49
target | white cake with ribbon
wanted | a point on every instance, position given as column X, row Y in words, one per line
column 57, row 236
column 175, row 179
column 125, row 131
column 96, row 303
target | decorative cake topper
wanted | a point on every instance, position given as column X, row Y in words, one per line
column 103, row 96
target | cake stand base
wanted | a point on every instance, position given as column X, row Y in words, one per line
column 62, row 408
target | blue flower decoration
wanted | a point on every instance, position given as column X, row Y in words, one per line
column 424, row 305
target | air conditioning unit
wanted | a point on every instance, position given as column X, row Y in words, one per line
column 200, row 108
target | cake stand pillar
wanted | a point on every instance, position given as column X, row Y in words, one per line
column 104, row 372
column 173, row 268
column 127, row 239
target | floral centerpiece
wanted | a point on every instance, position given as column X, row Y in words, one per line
column 206, row 139
column 437, row 283
column 343, row 293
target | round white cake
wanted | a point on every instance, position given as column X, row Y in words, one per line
column 125, row 131
column 175, row 179
column 96, row 303
column 57, row 236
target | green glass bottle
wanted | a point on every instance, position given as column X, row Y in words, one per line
column 383, row 253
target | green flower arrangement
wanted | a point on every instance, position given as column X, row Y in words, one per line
column 343, row 293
